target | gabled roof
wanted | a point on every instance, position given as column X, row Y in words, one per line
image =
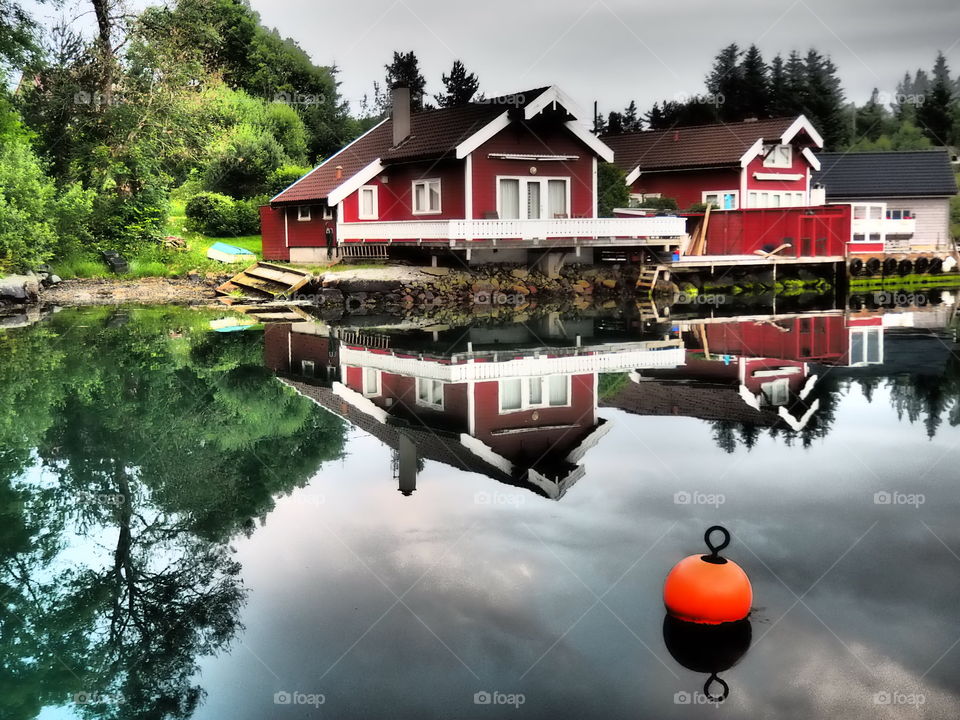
column 702, row 146
column 440, row 133
column 921, row 173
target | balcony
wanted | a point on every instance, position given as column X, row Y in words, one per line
column 526, row 233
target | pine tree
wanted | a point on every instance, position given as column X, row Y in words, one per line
column 725, row 82
column 872, row 120
column 824, row 102
column 459, row 87
column 935, row 114
column 654, row 118
column 404, row 71
column 614, row 123
column 599, row 124
column 780, row 104
column 756, row 84
column 796, row 88
column 631, row 118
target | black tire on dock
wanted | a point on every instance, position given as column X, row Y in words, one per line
column 905, row 267
column 936, row 266
column 873, row 266
column 889, row 266
column 856, row 266
column 921, row 265
column 856, row 302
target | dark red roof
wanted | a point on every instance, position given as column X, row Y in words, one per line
column 690, row 147
column 433, row 134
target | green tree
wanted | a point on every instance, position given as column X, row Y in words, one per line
column 756, row 84
column 726, row 81
column 936, row 114
column 459, row 87
column 612, row 190
column 404, row 71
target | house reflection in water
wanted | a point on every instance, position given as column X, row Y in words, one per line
column 518, row 403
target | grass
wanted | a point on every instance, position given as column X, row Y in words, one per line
column 906, row 282
column 163, row 262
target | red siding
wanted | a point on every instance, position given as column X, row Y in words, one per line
column 271, row 230
column 539, row 138
column 395, row 197
column 800, row 166
column 813, row 232
column 687, row 186
column 798, row 339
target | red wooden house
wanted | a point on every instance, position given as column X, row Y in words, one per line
column 750, row 164
column 524, row 417
column 514, row 174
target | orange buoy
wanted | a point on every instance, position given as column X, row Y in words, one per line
column 708, row 589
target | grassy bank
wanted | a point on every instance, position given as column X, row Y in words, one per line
column 160, row 261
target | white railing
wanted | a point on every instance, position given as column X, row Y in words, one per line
column 466, row 230
column 645, row 356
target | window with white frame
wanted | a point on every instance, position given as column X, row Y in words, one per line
column 759, row 199
column 722, row 199
column 371, row 382
column 368, row 203
column 525, row 198
column 535, row 392
column 776, row 392
column 327, row 212
column 866, row 346
column 308, row 368
column 303, row 213
column 900, row 215
column 426, row 197
column 430, row 393
column 777, row 156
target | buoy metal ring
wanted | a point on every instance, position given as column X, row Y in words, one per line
column 714, row 556
column 710, row 696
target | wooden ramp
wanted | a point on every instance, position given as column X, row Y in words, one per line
column 270, row 312
column 267, row 280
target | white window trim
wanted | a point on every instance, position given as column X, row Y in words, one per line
column 865, row 332
column 413, row 196
column 300, row 213
column 327, row 212
column 376, row 203
column 771, row 158
column 363, row 383
column 525, row 404
column 544, row 193
column 426, row 403
column 308, row 368
column 720, row 194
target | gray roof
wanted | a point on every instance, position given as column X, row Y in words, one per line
column 921, row 173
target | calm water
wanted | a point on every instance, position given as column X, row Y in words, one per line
column 299, row 521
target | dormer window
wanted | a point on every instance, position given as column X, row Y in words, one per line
column 777, row 156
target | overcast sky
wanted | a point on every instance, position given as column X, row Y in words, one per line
column 614, row 50
column 611, row 50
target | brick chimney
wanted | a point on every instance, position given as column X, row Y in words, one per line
column 400, row 101
column 339, row 172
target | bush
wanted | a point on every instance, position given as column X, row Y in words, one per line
column 612, row 190
column 284, row 177
column 661, row 203
column 221, row 216
column 245, row 163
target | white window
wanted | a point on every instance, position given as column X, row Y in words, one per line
column 722, row 199
column 534, row 392
column 776, row 199
column 776, row 392
column 327, row 212
column 368, row 203
column 866, row 346
column 371, row 382
column 303, row 213
column 430, row 393
column 777, row 156
column 426, row 197
column 308, row 368
column 533, row 198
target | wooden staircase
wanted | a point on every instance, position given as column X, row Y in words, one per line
column 267, row 280
column 649, row 275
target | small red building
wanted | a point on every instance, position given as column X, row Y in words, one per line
column 750, row 164
column 512, row 175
